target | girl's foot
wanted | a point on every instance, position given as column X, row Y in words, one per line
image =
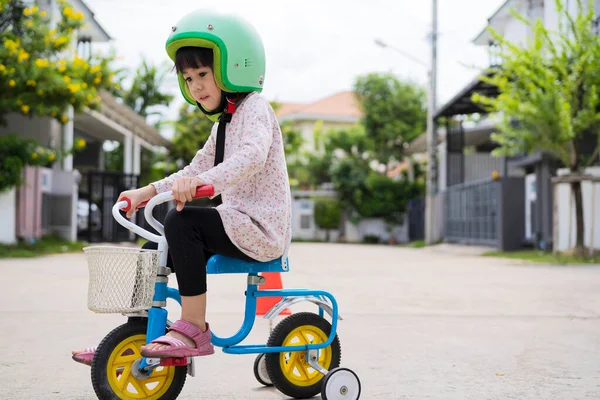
column 84, row 356
column 184, row 339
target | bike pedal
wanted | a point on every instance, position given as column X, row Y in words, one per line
column 173, row 362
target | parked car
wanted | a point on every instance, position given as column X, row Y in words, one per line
column 83, row 212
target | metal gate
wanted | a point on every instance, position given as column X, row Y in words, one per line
column 99, row 191
column 416, row 219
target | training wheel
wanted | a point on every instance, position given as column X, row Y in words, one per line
column 260, row 371
column 341, row 384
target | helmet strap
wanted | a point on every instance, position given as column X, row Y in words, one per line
column 224, row 118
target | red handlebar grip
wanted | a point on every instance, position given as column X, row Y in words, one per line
column 201, row 191
column 204, row 191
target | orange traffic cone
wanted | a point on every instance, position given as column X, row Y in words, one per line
column 264, row 304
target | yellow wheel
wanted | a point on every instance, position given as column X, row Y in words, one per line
column 114, row 368
column 290, row 372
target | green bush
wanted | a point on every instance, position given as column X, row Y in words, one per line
column 17, row 153
column 328, row 214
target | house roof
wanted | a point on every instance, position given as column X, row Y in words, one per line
column 497, row 21
column 461, row 103
column 92, row 27
column 341, row 106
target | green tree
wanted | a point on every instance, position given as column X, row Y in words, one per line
column 145, row 93
column 192, row 130
column 395, row 113
column 37, row 74
column 145, row 97
column 549, row 95
column 328, row 215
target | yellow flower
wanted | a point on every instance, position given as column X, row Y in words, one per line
column 40, row 92
column 34, row 155
column 42, row 63
column 80, row 144
column 2, row 68
column 27, row 11
column 11, row 44
column 43, row 13
column 52, row 32
column 29, row 24
column 31, row 83
column 97, row 80
column 64, row 119
column 23, row 55
column 74, row 87
column 25, row 108
column 61, row 40
column 34, row 9
column 94, row 69
column 67, row 79
column 62, row 68
column 68, row 11
column 41, row 150
column 51, row 157
column 12, row 83
column 78, row 16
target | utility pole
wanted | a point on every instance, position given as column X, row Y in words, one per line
column 432, row 189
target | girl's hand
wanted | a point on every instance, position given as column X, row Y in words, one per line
column 136, row 197
column 184, row 190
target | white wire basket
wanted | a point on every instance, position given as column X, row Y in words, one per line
column 121, row 278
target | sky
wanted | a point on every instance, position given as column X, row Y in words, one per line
column 315, row 48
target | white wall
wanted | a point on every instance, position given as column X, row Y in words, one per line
column 354, row 233
column 7, row 216
column 565, row 225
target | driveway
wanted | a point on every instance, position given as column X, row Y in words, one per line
column 428, row 323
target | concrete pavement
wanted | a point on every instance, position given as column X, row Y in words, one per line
column 418, row 324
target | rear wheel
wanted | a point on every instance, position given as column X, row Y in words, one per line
column 290, row 372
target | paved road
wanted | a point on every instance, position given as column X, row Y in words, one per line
column 419, row 324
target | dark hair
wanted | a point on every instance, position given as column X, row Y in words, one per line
column 196, row 57
column 193, row 57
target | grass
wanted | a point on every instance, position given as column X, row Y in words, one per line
column 537, row 256
column 417, row 244
column 44, row 246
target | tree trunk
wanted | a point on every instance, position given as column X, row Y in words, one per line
column 579, row 243
column 342, row 229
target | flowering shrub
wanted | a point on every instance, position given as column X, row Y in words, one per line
column 16, row 153
column 39, row 74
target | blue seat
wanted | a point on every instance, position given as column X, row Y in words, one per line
column 219, row 264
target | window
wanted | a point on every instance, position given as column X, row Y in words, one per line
column 305, row 221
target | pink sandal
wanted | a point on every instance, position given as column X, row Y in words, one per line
column 86, row 356
column 177, row 348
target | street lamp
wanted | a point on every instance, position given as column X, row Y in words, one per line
column 431, row 136
column 383, row 44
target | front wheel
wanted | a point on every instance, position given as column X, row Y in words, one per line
column 114, row 368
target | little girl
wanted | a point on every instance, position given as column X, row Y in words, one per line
column 220, row 64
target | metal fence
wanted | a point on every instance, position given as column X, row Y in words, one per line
column 487, row 212
column 99, row 191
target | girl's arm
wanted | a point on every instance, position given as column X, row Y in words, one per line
column 202, row 161
column 252, row 154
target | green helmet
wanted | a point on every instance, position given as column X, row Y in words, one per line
column 239, row 55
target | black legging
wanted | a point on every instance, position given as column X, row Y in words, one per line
column 194, row 234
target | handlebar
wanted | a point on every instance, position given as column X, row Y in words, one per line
column 125, row 205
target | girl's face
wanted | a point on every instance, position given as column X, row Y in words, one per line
column 202, row 85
